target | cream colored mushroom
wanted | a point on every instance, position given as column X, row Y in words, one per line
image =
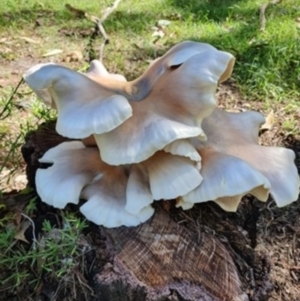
column 168, row 101
column 179, row 91
column 157, row 137
column 116, row 195
column 84, row 106
column 234, row 164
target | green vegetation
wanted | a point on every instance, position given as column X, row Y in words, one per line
column 268, row 64
column 56, row 253
column 267, row 72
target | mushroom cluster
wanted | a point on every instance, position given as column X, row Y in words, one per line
column 159, row 137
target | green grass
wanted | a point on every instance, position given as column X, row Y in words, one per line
column 268, row 63
column 56, row 253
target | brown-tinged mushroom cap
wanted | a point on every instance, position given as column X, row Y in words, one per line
column 233, row 164
column 179, row 91
column 97, row 70
column 226, row 176
column 84, row 106
column 168, row 101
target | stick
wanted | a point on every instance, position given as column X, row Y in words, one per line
column 101, row 29
column 262, row 12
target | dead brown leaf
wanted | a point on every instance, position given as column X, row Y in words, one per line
column 52, row 52
column 270, row 121
column 74, row 56
column 29, row 40
column 21, row 233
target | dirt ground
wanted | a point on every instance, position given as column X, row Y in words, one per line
column 273, row 233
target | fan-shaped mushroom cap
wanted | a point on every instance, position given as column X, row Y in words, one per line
column 171, row 176
column 233, row 164
column 116, row 195
column 226, row 176
column 62, row 182
column 179, row 91
column 184, row 148
column 84, row 106
column 107, row 199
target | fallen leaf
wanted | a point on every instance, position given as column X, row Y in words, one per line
column 52, row 52
column 158, row 33
column 20, row 235
column 74, row 56
column 163, row 23
column 39, row 22
column 270, row 120
column 29, row 40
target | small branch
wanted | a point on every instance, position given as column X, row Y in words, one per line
column 99, row 29
column 6, row 106
column 34, row 240
column 109, row 10
column 262, row 12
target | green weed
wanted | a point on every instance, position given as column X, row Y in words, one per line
column 55, row 254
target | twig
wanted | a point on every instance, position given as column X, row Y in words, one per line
column 109, row 10
column 101, row 29
column 262, row 12
column 34, row 240
column 10, row 99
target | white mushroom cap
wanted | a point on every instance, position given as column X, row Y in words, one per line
column 138, row 194
column 171, row 176
column 62, row 182
column 226, row 176
column 168, row 101
column 138, row 139
column 84, row 106
column 184, row 148
column 116, row 195
column 107, row 201
column 79, row 172
column 233, row 164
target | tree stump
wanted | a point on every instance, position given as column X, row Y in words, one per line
column 204, row 254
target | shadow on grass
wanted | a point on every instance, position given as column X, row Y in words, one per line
column 25, row 17
column 37, row 16
column 216, row 10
